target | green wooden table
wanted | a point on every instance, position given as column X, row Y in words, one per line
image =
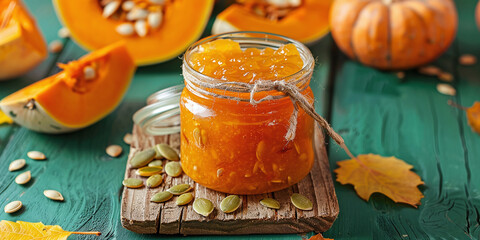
column 373, row 110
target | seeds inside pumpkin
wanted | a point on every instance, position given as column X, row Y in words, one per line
column 36, row 155
column 184, row 199
column 142, row 158
column 16, row 165
column 125, row 29
column 132, row 183
column 203, row 206
column 180, row 189
column 301, row 202
column 149, row 171
column 23, row 178
column 89, row 73
column 230, row 203
column 13, row 207
column 114, row 150
column 161, row 197
column 173, row 169
column 154, row 181
column 54, row 195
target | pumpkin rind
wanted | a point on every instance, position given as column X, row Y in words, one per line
column 183, row 23
column 22, row 46
column 52, row 105
column 393, row 34
column 307, row 23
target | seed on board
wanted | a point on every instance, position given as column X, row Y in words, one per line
column 400, row 75
column 270, row 203
column 184, row 199
column 55, row 46
column 301, row 202
column 180, row 189
column 23, row 178
column 173, row 169
column 110, row 8
column 161, row 197
column 446, row 89
column 141, row 28
column 13, row 207
column 467, row 59
column 63, row 32
column 446, row 77
column 132, row 183
column 125, row 29
column 128, row 6
column 128, row 138
column 54, row 195
column 167, row 152
column 148, row 171
column 36, row 155
column 230, row 203
column 156, row 163
column 203, row 206
column 16, row 165
column 430, row 70
column 142, row 158
column 114, row 150
column 154, row 19
column 154, row 181
column 89, row 73
column 137, row 14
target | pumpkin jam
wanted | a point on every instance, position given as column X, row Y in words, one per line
column 236, row 147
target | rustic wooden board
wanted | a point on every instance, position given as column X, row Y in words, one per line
column 140, row 215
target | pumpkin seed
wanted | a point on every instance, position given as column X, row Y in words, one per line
column 219, row 172
column 142, row 158
column 467, row 59
column 156, row 163
column 128, row 6
column 158, row 2
column 63, row 32
column 54, row 195
column 114, row 150
column 301, row 202
column 400, row 75
column 128, row 138
column 154, row 19
column 154, row 181
column 270, row 203
column 184, row 199
column 180, row 189
column 16, row 165
column 110, row 8
column 203, row 206
column 89, row 73
column 167, row 152
column 430, row 70
column 13, row 207
column 173, row 169
column 36, row 155
column 149, row 171
column 23, row 178
column 230, row 204
column 161, row 197
column 446, row 89
column 141, row 28
column 125, row 29
column 55, row 46
column 132, row 183
column 446, row 77
column 137, row 14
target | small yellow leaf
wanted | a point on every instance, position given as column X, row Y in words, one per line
column 28, row 231
column 4, row 118
column 390, row 176
column 473, row 116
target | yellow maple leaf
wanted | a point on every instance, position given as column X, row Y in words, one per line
column 390, row 176
column 28, row 231
column 4, row 118
column 473, row 116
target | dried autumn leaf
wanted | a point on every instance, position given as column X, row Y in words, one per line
column 319, row 237
column 473, row 116
column 390, row 176
column 4, row 118
column 29, row 231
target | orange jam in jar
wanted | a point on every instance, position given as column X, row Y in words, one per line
column 230, row 140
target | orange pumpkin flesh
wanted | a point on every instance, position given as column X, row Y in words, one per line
column 70, row 100
column 183, row 23
column 307, row 23
column 21, row 43
column 393, row 34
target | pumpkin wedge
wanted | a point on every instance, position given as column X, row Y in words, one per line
column 22, row 46
column 83, row 93
column 154, row 31
column 306, row 22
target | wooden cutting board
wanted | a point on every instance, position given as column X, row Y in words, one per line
column 140, row 215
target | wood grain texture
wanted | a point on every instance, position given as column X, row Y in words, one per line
column 140, row 215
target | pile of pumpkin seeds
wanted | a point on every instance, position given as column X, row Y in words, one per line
column 25, row 177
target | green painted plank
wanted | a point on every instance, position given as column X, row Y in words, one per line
column 376, row 113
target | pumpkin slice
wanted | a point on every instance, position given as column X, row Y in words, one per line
column 22, row 46
column 306, row 23
column 83, row 93
column 154, row 31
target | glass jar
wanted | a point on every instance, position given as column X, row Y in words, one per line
column 231, row 145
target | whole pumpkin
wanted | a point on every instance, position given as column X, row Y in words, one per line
column 393, row 34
